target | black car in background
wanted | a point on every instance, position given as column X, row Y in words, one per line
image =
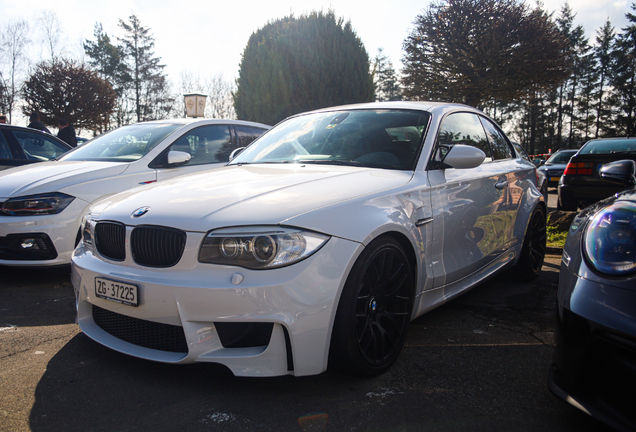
column 581, row 185
column 594, row 360
column 555, row 165
column 20, row 146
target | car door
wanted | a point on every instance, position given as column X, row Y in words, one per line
column 208, row 146
column 468, row 204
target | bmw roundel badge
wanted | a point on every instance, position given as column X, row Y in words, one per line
column 140, row 212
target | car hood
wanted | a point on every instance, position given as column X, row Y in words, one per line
column 246, row 195
column 54, row 176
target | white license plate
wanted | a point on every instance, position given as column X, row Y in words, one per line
column 117, row 291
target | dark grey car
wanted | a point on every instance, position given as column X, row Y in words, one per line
column 20, row 146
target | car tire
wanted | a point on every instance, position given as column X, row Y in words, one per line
column 374, row 310
column 534, row 245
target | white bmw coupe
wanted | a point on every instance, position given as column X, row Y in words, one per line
column 315, row 246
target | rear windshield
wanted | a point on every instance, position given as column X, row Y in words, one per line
column 610, row 146
column 561, row 157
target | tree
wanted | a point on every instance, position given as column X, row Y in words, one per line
column 605, row 38
column 108, row 61
column 51, row 30
column 13, row 42
column 64, row 88
column 480, row 51
column 152, row 98
column 624, row 75
column 298, row 64
column 387, row 86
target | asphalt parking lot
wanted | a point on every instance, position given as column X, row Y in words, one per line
column 478, row 363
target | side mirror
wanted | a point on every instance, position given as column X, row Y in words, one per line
column 236, row 152
column 463, row 156
column 177, row 158
column 622, row 171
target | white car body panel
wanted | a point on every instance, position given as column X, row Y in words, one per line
column 352, row 205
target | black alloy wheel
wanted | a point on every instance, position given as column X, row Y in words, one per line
column 534, row 246
column 374, row 310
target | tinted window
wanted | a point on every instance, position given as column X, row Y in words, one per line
column 561, row 157
column 5, row 152
column 39, row 147
column 207, row 144
column 611, row 146
column 498, row 141
column 245, row 134
column 464, row 128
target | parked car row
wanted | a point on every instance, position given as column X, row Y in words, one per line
column 313, row 244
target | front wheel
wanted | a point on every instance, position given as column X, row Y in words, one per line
column 374, row 310
column 534, row 244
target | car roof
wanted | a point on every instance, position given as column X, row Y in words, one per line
column 186, row 121
column 428, row 106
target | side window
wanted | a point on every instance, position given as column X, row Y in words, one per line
column 464, row 128
column 39, row 147
column 5, row 151
column 246, row 134
column 498, row 141
column 205, row 144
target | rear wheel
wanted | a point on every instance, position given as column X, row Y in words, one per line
column 374, row 310
column 533, row 250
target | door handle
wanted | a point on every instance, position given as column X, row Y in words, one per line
column 501, row 184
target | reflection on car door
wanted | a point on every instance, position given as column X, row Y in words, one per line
column 473, row 216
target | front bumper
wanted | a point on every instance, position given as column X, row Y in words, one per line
column 46, row 240
column 197, row 301
column 594, row 361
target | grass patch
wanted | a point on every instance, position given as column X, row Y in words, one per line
column 556, row 238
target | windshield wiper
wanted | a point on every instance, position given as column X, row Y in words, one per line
column 331, row 162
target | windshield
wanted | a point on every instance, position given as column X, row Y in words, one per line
column 373, row 138
column 124, row 144
column 562, row 157
column 609, row 146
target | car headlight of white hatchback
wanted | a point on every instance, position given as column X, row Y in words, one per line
column 88, row 226
column 610, row 239
column 259, row 247
column 34, row 205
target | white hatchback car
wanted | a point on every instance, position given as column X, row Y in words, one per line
column 41, row 205
column 315, row 246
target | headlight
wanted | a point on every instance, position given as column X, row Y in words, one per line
column 259, row 247
column 610, row 239
column 51, row 203
column 88, row 227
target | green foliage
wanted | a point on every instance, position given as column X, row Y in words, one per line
column 299, row 64
column 556, row 238
column 64, row 88
column 387, row 86
column 480, row 51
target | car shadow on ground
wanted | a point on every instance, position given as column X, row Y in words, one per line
column 478, row 363
column 32, row 297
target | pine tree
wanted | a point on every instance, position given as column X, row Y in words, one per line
column 387, row 85
column 298, row 64
column 150, row 88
